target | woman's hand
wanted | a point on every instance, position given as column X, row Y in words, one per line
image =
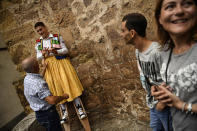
column 159, row 92
column 164, row 95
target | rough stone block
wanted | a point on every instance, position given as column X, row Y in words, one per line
column 87, row 2
column 109, row 15
column 7, row 20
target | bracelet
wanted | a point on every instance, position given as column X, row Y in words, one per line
column 189, row 107
column 183, row 107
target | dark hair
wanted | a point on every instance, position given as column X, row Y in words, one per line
column 137, row 22
column 163, row 35
column 39, row 24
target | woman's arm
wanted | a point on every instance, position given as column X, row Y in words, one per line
column 165, row 96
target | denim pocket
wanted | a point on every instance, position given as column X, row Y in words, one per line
column 43, row 120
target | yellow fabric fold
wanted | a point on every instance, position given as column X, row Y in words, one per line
column 62, row 78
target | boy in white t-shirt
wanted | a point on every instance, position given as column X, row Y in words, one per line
column 147, row 53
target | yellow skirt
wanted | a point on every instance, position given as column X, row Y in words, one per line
column 62, row 78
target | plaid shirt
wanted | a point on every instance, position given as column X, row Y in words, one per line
column 35, row 90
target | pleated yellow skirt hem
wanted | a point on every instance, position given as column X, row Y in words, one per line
column 62, row 78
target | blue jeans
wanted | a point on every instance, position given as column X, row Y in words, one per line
column 49, row 119
column 161, row 120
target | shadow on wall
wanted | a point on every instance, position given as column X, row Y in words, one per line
column 11, row 110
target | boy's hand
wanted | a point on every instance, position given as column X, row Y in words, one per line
column 160, row 106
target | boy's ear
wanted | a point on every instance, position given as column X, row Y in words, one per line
column 132, row 33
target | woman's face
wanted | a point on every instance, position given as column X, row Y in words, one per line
column 178, row 17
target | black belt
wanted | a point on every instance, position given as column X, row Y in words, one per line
column 52, row 108
column 60, row 57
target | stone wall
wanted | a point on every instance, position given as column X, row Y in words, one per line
column 113, row 95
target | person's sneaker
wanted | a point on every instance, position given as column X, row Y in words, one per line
column 62, row 121
column 81, row 113
column 64, row 117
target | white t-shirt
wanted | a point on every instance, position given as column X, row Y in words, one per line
column 149, row 68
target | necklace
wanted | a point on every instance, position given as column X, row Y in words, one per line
column 168, row 62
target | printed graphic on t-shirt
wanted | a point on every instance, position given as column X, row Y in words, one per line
column 148, row 71
column 185, row 79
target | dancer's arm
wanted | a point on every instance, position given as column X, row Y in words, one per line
column 44, row 64
column 38, row 53
column 63, row 49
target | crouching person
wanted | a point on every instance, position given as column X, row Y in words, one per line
column 39, row 97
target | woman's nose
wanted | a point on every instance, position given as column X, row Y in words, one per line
column 179, row 11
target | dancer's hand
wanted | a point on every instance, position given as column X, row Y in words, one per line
column 45, row 52
column 53, row 50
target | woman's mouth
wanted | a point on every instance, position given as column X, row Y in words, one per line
column 178, row 21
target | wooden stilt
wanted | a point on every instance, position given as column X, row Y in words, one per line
column 67, row 124
column 84, row 121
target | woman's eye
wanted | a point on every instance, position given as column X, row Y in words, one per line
column 169, row 7
column 188, row 3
